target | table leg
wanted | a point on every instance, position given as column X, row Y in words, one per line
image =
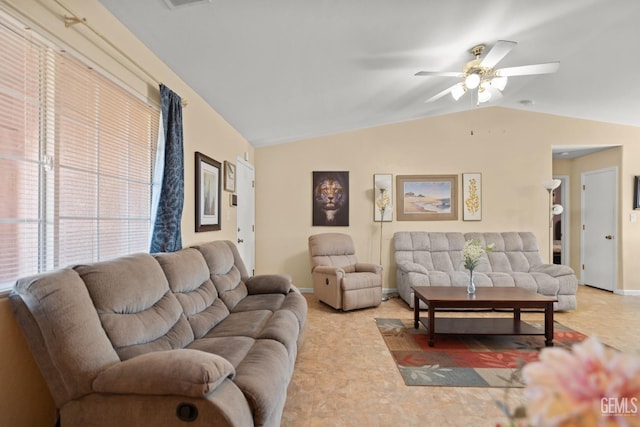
column 416, row 311
column 548, row 325
column 516, row 320
column 432, row 324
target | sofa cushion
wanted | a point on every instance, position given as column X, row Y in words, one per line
column 232, row 348
column 189, row 279
column 282, row 327
column 270, row 302
column 333, row 249
column 263, row 377
column 501, row 279
column 244, row 323
column 224, row 271
column 360, row 281
column 137, row 310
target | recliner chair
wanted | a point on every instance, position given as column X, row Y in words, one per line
column 339, row 280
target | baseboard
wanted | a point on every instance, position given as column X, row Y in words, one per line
column 628, row 292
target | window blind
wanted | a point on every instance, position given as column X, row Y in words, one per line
column 76, row 156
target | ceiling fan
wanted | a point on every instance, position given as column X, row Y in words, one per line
column 480, row 73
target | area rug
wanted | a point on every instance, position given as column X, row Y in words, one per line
column 464, row 360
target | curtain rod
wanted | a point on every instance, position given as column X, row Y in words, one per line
column 69, row 21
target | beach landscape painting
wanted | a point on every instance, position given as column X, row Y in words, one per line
column 427, row 197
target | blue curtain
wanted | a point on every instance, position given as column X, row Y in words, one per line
column 168, row 179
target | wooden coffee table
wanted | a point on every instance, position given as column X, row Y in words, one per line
column 441, row 297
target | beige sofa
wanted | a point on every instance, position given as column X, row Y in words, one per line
column 182, row 338
column 435, row 259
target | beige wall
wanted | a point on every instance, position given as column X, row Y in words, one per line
column 24, row 396
column 24, row 399
column 512, row 150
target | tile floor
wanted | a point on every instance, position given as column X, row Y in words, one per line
column 344, row 375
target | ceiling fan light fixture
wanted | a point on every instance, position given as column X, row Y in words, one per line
column 481, row 75
column 472, row 81
column 458, row 90
column 483, row 94
column 499, row 83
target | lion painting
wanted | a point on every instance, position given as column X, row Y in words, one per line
column 331, row 198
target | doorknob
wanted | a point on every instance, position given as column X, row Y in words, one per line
column 240, row 240
column 608, row 237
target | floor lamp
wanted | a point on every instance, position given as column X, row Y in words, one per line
column 383, row 204
column 550, row 186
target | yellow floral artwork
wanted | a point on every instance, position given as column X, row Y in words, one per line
column 472, row 202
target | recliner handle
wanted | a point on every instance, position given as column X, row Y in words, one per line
column 187, row 412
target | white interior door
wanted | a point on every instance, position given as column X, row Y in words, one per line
column 599, row 225
column 246, row 213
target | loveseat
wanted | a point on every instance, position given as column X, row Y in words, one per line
column 175, row 339
column 435, row 259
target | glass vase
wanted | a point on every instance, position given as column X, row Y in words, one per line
column 471, row 287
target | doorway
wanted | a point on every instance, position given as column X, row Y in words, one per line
column 246, row 214
column 599, row 225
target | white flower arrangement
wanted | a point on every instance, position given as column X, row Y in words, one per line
column 472, row 251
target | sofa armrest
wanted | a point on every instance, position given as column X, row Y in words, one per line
column 182, row 372
column 268, row 284
column 363, row 267
column 411, row 267
column 553, row 270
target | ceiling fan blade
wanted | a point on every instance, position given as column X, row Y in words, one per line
column 440, row 94
column 440, row 73
column 525, row 70
column 496, row 94
column 497, row 52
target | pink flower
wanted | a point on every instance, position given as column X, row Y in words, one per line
column 592, row 385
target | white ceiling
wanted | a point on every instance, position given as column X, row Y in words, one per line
column 284, row 70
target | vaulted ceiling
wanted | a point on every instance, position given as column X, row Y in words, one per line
column 284, row 70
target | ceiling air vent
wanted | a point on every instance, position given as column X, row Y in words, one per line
column 176, row 4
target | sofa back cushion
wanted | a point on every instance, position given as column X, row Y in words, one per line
column 512, row 252
column 226, row 270
column 137, row 310
column 64, row 332
column 332, row 250
column 189, row 279
column 434, row 251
